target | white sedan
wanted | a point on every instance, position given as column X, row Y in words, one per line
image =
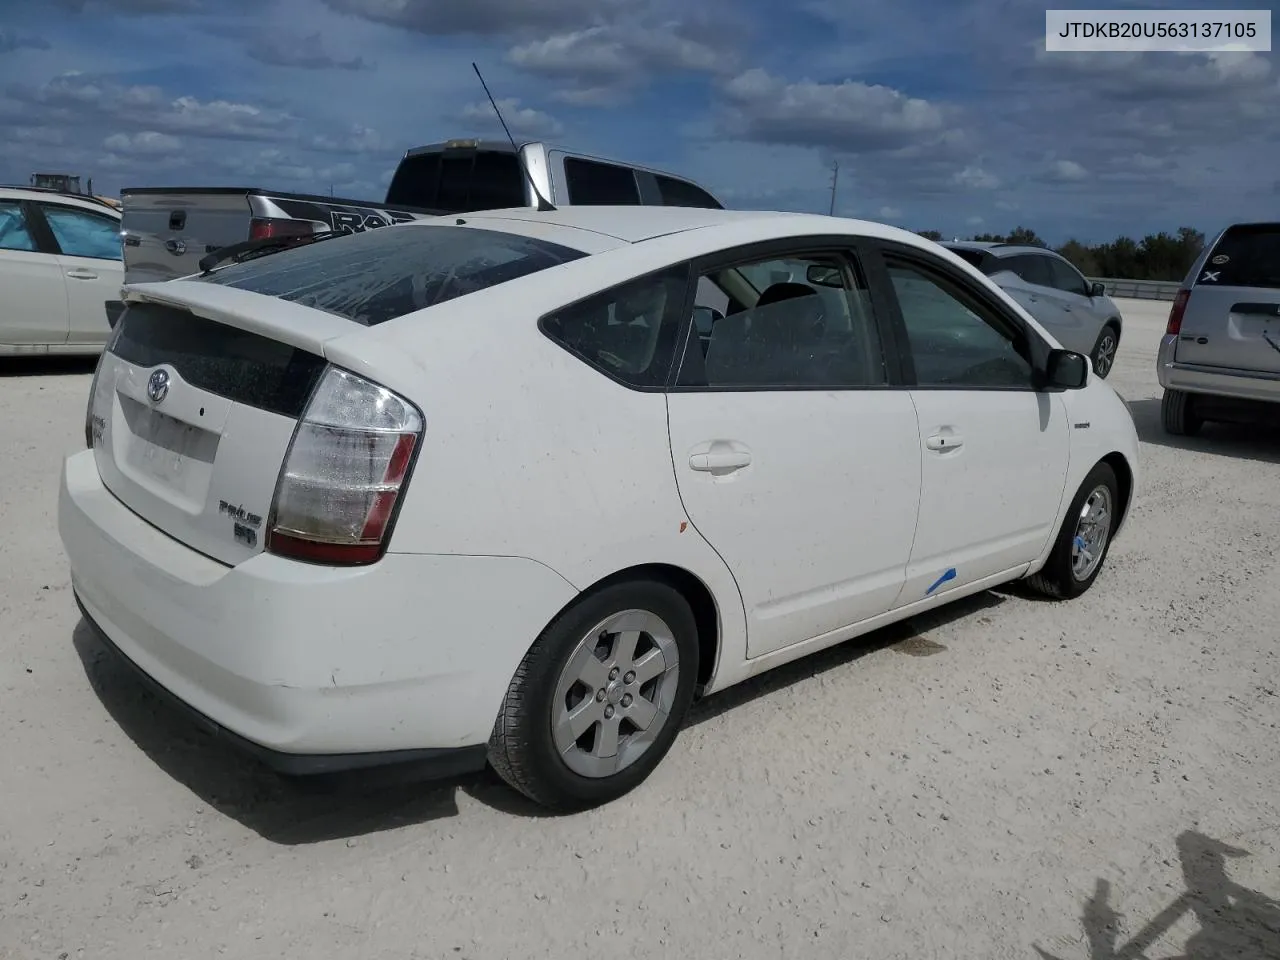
column 60, row 264
column 518, row 486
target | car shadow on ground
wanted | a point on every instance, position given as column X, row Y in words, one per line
column 1233, row 920
column 44, row 365
column 315, row 809
column 1254, row 441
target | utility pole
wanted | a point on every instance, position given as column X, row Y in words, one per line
column 835, row 181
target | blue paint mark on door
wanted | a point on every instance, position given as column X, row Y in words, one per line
column 949, row 575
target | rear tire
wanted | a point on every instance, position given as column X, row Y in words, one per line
column 599, row 698
column 1178, row 415
column 1080, row 551
column 1104, row 351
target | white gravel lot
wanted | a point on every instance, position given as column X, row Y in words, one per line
column 1005, row 777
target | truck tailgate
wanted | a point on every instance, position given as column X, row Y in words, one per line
column 167, row 232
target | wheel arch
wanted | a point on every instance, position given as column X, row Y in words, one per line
column 1123, row 470
column 706, row 612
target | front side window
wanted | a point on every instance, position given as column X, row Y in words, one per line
column 378, row 275
column 592, row 183
column 798, row 323
column 629, row 332
column 954, row 340
column 14, row 232
column 1066, row 277
column 83, row 234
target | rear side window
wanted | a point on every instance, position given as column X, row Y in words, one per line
column 83, row 234
column 459, row 181
column 600, row 184
column 629, row 332
column 1031, row 268
column 378, row 275
column 1247, row 256
column 681, row 193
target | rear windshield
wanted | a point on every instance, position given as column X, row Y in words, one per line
column 381, row 274
column 458, row 181
column 1247, row 256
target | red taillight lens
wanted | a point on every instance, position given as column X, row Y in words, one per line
column 345, row 473
column 260, row 228
column 1179, row 307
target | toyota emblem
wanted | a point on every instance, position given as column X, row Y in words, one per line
column 158, row 385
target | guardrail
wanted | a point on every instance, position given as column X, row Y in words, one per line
column 1139, row 289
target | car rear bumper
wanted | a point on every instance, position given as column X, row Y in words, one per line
column 312, row 668
column 1214, row 381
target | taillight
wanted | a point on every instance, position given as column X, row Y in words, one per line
column 260, row 228
column 94, row 415
column 345, row 472
column 1179, row 307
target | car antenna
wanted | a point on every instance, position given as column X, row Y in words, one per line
column 544, row 205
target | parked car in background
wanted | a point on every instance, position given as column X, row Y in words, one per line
column 167, row 230
column 1075, row 310
column 1219, row 359
column 60, row 265
column 409, row 494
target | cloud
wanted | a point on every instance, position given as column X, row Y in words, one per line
column 144, row 144
column 850, row 115
column 131, row 7
column 522, row 121
column 1067, row 171
column 302, row 52
column 890, row 213
column 975, row 178
column 484, row 17
column 11, row 41
column 604, row 63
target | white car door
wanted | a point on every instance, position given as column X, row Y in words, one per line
column 92, row 264
column 994, row 449
column 793, row 457
column 33, row 296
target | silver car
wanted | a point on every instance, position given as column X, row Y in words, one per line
column 1220, row 356
column 1076, row 311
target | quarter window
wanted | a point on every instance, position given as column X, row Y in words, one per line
column 14, row 233
column 83, row 234
column 799, row 322
column 629, row 332
column 954, row 340
column 600, row 184
column 681, row 193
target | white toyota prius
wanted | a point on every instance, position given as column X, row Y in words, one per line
column 516, row 487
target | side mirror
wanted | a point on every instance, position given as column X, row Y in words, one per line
column 822, row 275
column 1067, row 370
column 1097, row 289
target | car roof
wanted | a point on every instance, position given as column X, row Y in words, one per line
column 73, row 199
column 996, row 248
column 635, row 224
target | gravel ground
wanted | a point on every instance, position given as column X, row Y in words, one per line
column 1007, row 778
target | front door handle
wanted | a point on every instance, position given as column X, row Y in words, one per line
column 944, row 442
column 718, row 457
column 79, row 274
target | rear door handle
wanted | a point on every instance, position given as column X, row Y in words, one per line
column 940, row 442
column 79, row 274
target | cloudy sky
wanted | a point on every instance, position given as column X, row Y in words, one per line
column 943, row 114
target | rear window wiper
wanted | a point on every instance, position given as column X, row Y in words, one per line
column 252, row 249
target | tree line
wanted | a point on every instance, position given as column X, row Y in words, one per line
column 1157, row 256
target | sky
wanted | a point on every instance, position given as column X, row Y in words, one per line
column 941, row 114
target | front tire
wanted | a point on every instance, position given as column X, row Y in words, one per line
column 1178, row 415
column 1104, row 351
column 599, row 698
column 1081, row 548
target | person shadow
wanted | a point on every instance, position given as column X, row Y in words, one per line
column 1236, row 923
